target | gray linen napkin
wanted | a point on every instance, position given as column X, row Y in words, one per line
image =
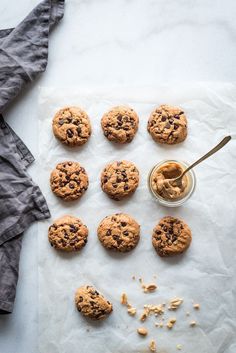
column 23, row 55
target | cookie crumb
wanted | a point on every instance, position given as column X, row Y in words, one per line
column 148, row 288
column 179, row 347
column 196, row 306
column 131, row 311
column 133, row 278
column 142, row 331
column 171, row 323
column 152, row 346
column 192, row 323
column 175, row 303
column 124, row 299
column 140, row 280
column 187, row 313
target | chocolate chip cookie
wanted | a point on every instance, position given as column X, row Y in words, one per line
column 171, row 236
column 71, row 125
column 68, row 233
column 168, row 125
column 91, row 303
column 119, row 232
column 120, row 124
column 119, row 179
column 69, row 180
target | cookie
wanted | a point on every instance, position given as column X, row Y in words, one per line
column 120, row 124
column 91, row 303
column 168, row 125
column 71, row 125
column 171, row 236
column 119, row 232
column 68, row 233
column 69, row 180
column 119, row 179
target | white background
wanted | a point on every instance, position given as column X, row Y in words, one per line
column 108, row 43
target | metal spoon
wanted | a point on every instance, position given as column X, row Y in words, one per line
column 178, row 181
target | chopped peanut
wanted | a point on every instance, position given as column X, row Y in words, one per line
column 142, row 331
column 124, row 299
column 152, row 346
column 196, row 306
column 171, row 323
column 131, row 311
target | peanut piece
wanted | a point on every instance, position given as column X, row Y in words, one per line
column 152, row 346
column 142, row 331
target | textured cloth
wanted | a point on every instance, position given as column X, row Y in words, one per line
column 21, row 199
column 24, row 49
column 23, row 55
column 9, row 267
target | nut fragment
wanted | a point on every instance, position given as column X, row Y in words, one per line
column 175, row 303
column 196, row 306
column 131, row 311
column 144, row 315
column 193, row 323
column 124, row 299
column 171, row 323
column 142, row 331
column 152, row 346
column 148, row 288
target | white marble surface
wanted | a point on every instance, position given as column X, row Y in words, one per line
column 109, row 43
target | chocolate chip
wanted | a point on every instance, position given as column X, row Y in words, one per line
column 175, row 126
column 80, row 299
column 163, row 118
column 114, row 185
column 108, row 232
column 69, row 133
column 123, row 224
column 119, row 118
column 67, row 177
column 79, row 130
column 71, row 186
column 171, row 120
column 176, row 117
column 126, row 187
column 125, row 233
column 61, row 122
column 73, row 229
column 70, row 163
column 167, row 125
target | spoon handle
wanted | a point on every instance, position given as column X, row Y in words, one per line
column 210, row 153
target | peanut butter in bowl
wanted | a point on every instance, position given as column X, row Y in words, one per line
column 166, row 192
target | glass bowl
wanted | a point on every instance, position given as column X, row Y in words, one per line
column 187, row 194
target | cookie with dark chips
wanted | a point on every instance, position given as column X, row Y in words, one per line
column 68, row 233
column 120, row 124
column 90, row 303
column 171, row 236
column 119, row 232
column 119, row 179
column 71, row 125
column 168, row 125
column 69, row 180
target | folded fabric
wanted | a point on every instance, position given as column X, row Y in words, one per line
column 9, row 268
column 24, row 49
column 23, row 55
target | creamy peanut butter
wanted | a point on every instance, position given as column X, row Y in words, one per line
column 161, row 181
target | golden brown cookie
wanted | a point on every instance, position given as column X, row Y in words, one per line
column 68, row 233
column 171, row 236
column 168, row 125
column 119, row 232
column 71, row 125
column 119, row 179
column 120, row 124
column 91, row 303
column 69, row 180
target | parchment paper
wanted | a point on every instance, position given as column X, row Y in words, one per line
column 205, row 274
